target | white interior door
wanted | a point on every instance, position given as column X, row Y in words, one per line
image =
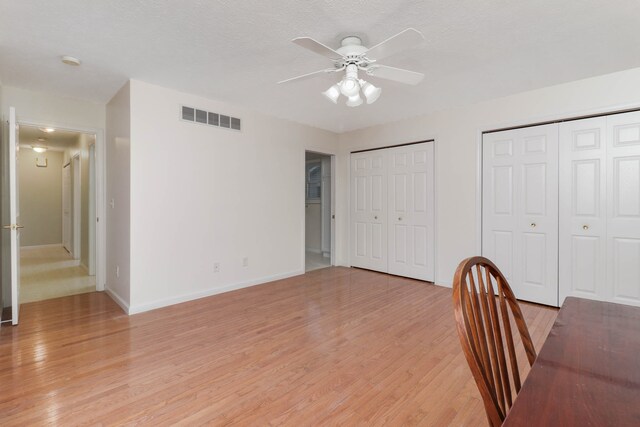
column 583, row 213
column 411, row 211
column 623, row 208
column 520, row 209
column 66, row 207
column 368, row 242
column 14, row 217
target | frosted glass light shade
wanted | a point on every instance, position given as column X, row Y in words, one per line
column 371, row 92
column 354, row 101
column 333, row 93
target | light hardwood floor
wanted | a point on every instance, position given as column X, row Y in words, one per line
column 335, row 346
column 50, row 272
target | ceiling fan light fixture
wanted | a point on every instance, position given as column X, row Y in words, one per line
column 370, row 92
column 349, row 87
column 354, row 100
column 333, row 93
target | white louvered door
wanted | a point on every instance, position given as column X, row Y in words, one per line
column 411, row 211
column 520, row 209
column 369, row 210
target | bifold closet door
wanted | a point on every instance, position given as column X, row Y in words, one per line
column 583, row 209
column 520, row 209
column 623, row 208
column 411, row 211
column 368, row 223
column 600, row 208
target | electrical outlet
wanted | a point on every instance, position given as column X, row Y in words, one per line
column 216, row 267
column 245, row 261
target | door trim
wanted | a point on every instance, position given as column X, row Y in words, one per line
column 76, row 218
column 332, row 155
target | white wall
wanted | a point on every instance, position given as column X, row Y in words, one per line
column 118, row 137
column 457, row 135
column 55, row 110
column 313, row 227
column 40, row 198
column 194, row 192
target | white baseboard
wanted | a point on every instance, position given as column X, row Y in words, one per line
column 118, row 299
column 313, row 250
column 52, row 245
column 133, row 309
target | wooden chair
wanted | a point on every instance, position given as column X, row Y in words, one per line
column 482, row 300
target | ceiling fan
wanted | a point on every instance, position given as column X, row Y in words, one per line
column 352, row 57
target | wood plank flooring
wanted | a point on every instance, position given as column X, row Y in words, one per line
column 336, row 346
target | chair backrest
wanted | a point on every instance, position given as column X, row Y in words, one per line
column 482, row 300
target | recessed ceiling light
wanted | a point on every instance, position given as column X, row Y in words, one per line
column 39, row 148
column 47, row 130
column 70, row 60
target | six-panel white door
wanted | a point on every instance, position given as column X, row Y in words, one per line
column 583, row 213
column 520, row 209
column 623, row 208
column 411, row 211
column 369, row 210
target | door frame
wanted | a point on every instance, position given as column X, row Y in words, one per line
column 100, row 193
column 67, row 197
column 332, row 155
column 92, row 209
column 76, row 217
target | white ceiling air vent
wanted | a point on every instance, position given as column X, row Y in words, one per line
column 195, row 115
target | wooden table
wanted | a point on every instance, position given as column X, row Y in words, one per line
column 587, row 372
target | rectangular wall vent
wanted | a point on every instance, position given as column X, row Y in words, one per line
column 195, row 115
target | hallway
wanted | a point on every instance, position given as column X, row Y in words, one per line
column 50, row 272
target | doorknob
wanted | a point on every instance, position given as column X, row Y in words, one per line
column 375, row 217
column 585, row 227
column 533, row 225
column 399, row 218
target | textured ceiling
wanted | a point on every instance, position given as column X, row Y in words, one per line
column 235, row 51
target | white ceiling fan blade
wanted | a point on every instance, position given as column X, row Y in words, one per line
column 317, row 47
column 395, row 44
column 310, row 75
column 395, row 74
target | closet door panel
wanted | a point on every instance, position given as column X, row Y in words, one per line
column 582, row 242
column 623, row 210
column 411, row 211
column 368, row 240
column 498, row 217
column 520, row 208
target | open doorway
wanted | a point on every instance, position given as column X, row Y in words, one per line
column 58, row 242
column 318, row 211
